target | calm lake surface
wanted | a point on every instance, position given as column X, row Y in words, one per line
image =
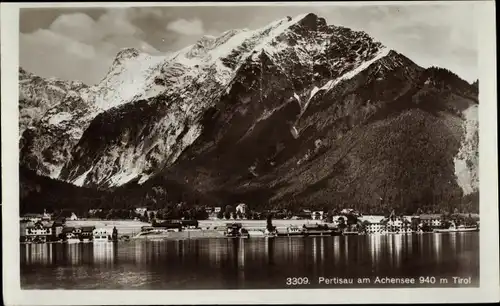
column 255, row 263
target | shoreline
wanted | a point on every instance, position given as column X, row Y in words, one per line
column 187, row 235
column 131, row 229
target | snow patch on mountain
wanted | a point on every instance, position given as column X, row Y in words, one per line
column 313, row 92
column 361, row 66
column 272, row 31
column 228, row 46
column 81, row 179
column 296, row 97
column 133, row 169
column 467, row 159
column 209, row 53
column 129, row 79
column 60, row 117
column 384, row 51
column 54, row 171
column 294, row 132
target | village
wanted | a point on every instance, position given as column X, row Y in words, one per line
column 98, row 225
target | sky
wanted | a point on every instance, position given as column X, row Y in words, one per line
column 81, row 43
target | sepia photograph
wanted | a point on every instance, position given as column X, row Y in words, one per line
column 232, row 147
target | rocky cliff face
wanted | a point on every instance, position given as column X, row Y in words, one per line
column 295, row 112
column 37, row 95
column 299, row 54
column 48, row 144
column 52, row 116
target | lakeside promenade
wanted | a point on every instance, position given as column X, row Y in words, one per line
column 133, row 227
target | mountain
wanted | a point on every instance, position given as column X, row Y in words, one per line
column 53, row 114
column 297, row 113
column 37, row 95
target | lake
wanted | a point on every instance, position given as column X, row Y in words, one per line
column 368, row 261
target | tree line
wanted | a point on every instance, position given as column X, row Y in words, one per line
column 41, row 193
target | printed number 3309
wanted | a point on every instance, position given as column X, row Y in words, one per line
column 293, row 281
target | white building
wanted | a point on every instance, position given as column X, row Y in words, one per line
column 73, row 217
column 399, row 225
column 242, row 208
column 394, row 226
column 375, row 228
column 102, row 234
column 374, row 224
column 407, row 228
column 38, row 232
column 436, row 223
column 35, row 231
column 433, row 220
column 33, row 217
column 317, row 215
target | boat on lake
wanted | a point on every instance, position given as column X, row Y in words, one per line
column 292, row 231
column 454, row 229
column 320, row 230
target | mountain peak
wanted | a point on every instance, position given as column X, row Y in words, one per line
column 125, row 54
column 310, row 21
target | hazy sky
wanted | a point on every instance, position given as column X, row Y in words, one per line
column 80, row 44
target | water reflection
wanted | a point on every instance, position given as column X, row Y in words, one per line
column 336, row 249
column 398, row 247
column 346, row 249
column 315, row 249
column 241, row 255
column 453, row 241
column 140, row 256
column 409, row 244
column 246, row 263
column 390, row 247
column 438, row 240
column 375, row 243
column 270, row 251
column 104, row 253
column 39, row 254
column 322, row 251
